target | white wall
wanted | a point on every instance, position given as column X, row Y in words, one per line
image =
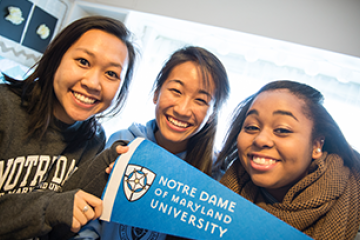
column 326, row 24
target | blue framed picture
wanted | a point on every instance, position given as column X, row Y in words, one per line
column 39, row 19
column 12, row 24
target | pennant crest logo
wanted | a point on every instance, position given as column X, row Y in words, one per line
column 137, row 181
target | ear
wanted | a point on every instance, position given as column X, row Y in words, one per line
column 156, row 96
column 317, row 147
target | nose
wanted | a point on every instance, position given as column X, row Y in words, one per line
column 183, row 107
column 92, row 81
column 264, row 139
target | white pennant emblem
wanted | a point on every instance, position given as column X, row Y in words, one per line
column 137, row 181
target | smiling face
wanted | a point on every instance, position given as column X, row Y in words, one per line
column 275, row 143
column 183, row 106
column 89, row 76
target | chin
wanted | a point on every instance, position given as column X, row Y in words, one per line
column 81, row 118
column 261, row 182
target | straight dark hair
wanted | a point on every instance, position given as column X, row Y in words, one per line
column 200, row 147
column 37, row 90
column 324, row 125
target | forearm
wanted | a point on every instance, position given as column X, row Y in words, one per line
column 93, row 178
column 34, row 214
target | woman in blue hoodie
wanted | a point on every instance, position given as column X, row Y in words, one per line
column 188, row 93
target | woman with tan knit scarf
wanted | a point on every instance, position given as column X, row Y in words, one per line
column 286, row 154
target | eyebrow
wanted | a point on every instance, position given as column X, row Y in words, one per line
column 280, row 112
column 201, row 90
column 93, row 55
column 287, row 113
column 251, row 112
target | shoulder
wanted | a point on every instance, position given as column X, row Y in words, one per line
column 124, row 134
column 5, row 90
column 100, row 137
column 9, row 100
column 3, row 87
column 100, row 133
column 96, row 141
column 135, row 130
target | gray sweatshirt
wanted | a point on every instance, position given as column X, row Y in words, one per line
column 33, row 172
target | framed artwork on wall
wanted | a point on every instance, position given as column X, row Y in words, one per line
column 33, row 37
column 25, row 34
column 13, row 18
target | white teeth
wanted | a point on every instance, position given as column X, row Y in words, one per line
column 177, row 123
column 263, row 161
column 83, row 98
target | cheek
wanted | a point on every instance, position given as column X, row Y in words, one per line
column 65, row 77
column 296, row 149
column 307, row 159
column 242, row 151
column 202, row 113
column 111, row 91
column 243, row 141
column 57, row 84
column 164, row 101
column 297, row 159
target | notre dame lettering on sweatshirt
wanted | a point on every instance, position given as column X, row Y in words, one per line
column 29, row 163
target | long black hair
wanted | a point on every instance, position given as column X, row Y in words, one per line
column 37, row 90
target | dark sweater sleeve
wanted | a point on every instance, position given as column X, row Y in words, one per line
column 93, row 178
column 34, row 214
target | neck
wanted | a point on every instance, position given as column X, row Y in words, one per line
column 278, row 193
column 173, row 147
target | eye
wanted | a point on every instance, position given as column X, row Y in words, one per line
column 282, row 131
column 202, row 101
column 251, row 128
column 83, row 62
column 175, row 91
column 112, row 74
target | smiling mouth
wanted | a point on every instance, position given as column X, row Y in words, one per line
column 84, row 99
column 263, row 161
column 177, row 123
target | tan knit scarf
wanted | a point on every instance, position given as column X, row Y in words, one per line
column 324, row 205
